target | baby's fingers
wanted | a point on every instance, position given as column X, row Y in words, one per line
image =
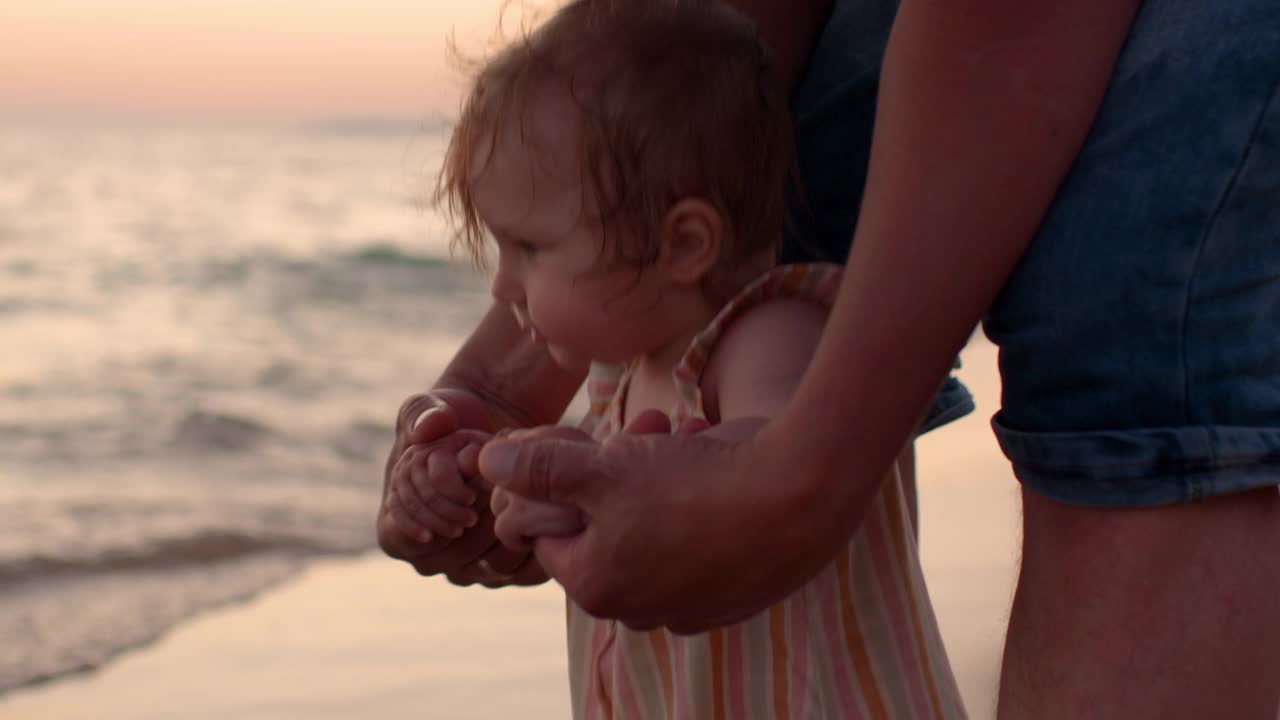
column 521, row 520
column 444, row 478
column 442, row 490
column 417, row 521
column 469, row 464
column 417, row 509
column 499, row 499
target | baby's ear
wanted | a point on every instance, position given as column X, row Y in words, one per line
column 691, row 236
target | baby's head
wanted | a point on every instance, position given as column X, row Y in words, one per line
column 647, row 131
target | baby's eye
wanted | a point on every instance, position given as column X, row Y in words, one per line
column 527, row 249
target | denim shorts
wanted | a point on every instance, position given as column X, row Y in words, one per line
column 1139, row 335
column 832, row 111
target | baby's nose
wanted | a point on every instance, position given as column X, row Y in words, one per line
column 505, row 289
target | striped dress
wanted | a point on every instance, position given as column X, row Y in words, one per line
column 859, row 640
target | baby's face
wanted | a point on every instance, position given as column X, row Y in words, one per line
column 553, row 265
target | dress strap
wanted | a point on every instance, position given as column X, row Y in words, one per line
column 605, row 381
column 816, row 282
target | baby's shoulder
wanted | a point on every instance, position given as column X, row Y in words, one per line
column 771, row 321
column 772, row 341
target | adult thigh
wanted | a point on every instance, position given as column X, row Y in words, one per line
column 1170, row 612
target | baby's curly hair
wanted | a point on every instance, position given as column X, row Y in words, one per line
column 676, row 98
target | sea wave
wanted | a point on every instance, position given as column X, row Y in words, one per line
column 210, row 336
column 77, row 623
column 388, row 254
column 64, row 614
column 201, row 548
column 201, row 430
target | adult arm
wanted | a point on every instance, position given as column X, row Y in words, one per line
column 498, row 379
column 983, row 107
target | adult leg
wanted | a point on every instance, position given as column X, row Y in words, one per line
column 1168, row 613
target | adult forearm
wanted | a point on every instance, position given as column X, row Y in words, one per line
column 983, row 107
column 516, row 380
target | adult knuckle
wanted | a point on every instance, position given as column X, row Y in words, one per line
column 596, row 597
column 540, row 469
column 410, row 409
column 592, row 604
column 462, row 577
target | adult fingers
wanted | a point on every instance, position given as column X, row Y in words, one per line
column 529, row 572
column 496, row 566
column 502, row 560
column 559, row 556
column 398, row 445
column 432, row 423
column 554, row 469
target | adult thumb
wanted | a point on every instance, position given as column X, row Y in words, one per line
column 433, row 423
column 551, row 469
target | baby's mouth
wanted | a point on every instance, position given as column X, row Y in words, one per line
column 535, row 337
column 526, row 323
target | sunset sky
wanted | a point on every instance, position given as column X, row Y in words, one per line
column 237, row 61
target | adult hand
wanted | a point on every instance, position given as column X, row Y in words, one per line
column 685, row 531
column 435, row 448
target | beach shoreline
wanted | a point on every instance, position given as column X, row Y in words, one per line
column 347, row 637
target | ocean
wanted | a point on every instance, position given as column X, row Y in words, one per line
column 204, row 336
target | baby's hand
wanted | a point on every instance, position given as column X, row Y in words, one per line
column 518, row 521
column 429, row 496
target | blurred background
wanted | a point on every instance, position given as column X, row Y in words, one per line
column 219, row 277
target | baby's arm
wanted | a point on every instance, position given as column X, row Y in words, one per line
column 757, row 365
